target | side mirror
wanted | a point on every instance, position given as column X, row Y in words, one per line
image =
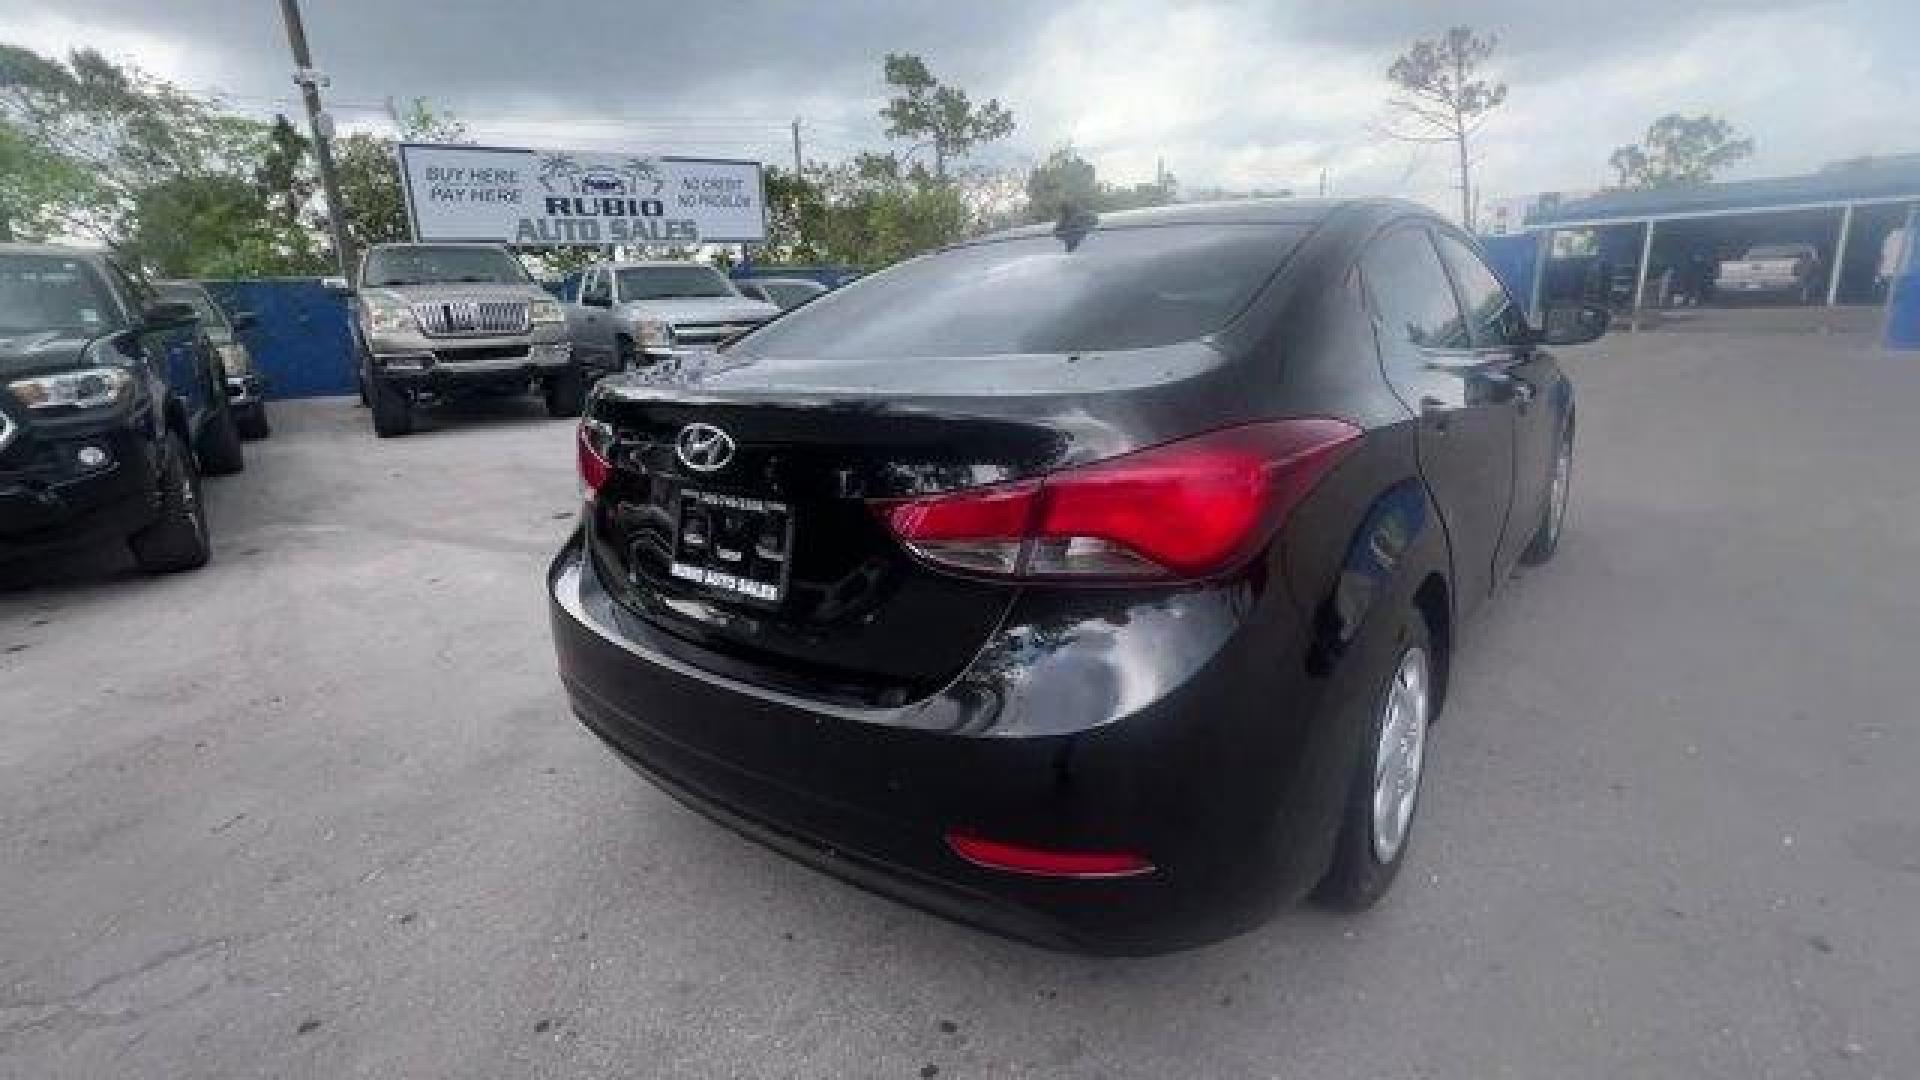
column 169, row 316
column 1574, row 325
column 337, row 285
column 244, row 320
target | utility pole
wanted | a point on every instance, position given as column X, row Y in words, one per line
column 310, row 82
column 796, row 148
column 1323, row 182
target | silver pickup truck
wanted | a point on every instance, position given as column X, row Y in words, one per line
column 440, row 320
column 636, row 314
column 1779, row 270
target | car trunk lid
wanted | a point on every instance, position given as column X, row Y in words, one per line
column 738, row 510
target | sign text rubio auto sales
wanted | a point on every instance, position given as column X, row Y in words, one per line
column 482, row 193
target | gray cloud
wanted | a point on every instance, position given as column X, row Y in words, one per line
column 1235, row 93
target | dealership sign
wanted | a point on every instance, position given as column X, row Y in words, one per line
column 503, row 195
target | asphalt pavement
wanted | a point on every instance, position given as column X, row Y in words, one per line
column 319, row 809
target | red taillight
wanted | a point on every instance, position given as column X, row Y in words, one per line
column 1016, row 859
column 591, row 443
column 1182, row 510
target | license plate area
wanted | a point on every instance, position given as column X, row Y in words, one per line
column 736, row 545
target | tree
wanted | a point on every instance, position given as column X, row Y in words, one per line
column 93, row 135
column 214, row 226
column 1679, row 151
column 35, row 186
column 1068, row 182
column 880, row 211
column 1062, row 183
column 171, row 182
column 796, row 216
column 942, row 116
column 1439, row 99
column 374, row 206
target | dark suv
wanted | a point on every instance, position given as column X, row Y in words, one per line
column 111, row 407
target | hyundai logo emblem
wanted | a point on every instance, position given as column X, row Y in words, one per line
column 703, row 447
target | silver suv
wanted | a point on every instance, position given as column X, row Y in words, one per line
column 437, row 320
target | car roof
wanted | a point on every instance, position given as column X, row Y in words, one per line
column 633, row 264
column 781, row 281
column 1285, row 211
column 438, row 244
column 58, row 250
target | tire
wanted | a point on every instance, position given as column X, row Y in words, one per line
column 566, row 392
column 177, row 540
column 392, row 411
column 252, row 422
column 1553, row 517
column 220, row 451
column 1367, row 855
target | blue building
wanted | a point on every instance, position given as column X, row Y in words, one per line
column 1634, row 246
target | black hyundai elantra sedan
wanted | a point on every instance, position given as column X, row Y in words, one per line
column 1096, row 583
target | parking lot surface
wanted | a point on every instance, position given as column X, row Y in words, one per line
column 320, row 810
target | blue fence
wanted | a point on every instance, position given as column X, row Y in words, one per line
column 300, row 339
column 1903, row 294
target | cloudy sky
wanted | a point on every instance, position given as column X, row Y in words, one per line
column 1240, row 95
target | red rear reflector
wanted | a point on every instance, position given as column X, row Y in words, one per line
column 1015, row 859
column 590, row 443
column 1185, row 509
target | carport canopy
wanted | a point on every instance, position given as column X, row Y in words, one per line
column 1845, row 211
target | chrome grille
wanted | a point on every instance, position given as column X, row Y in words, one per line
column 471, row 317
column 710, row 333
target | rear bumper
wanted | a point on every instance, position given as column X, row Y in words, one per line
column 1188, row 779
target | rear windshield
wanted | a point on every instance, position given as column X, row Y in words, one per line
column 1113, row 289
column 50, row 292
column 429, row 264
column 212, row 319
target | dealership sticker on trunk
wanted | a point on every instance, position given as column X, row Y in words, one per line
column 732, row 543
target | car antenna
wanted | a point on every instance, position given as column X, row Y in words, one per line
column 1074, row 224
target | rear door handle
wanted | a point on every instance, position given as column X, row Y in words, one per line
column 1435, row 412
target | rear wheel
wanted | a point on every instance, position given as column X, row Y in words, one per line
column 566, row 392
column 220, row 450
column 177, row 540
column 392, row 409
column 1546, row 539
column 1385, row 787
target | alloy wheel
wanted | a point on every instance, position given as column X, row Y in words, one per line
column 1401, row 754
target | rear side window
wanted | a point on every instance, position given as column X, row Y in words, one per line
column 1112, row 289
column 1411, row 298
column 1491, row 312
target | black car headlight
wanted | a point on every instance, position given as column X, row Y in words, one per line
column 88, row 388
